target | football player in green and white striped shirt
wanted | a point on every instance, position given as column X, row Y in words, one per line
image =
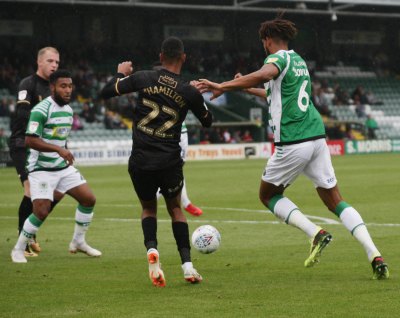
column 49, row 164
column 299, row 137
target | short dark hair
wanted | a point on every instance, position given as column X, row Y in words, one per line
column 59, row 74
column 172, row 48
column 278, row 28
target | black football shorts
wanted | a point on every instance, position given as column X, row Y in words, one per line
column 147, row 183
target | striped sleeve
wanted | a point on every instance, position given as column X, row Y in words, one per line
column 36, row 123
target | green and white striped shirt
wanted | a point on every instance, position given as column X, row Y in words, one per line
column 52, row 123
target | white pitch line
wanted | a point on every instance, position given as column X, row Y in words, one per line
column 319, row 220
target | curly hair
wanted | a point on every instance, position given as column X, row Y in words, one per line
column 278, row 28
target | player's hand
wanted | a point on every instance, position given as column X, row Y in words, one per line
column 208, row 86
column 195, row 84
column 66, row 155
column 125, row 68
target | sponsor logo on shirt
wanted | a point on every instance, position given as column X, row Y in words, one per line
column 166, row 80
column 272, row 60
column 61, row 132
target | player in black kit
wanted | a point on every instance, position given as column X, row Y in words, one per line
column 163, row 102
column 31, row 91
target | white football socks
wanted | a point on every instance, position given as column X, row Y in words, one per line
column 30, row 228
column 83, row 218
column 288, row 212
column 353, row 222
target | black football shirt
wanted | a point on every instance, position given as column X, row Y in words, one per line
column 163, row 102
column 31, row 91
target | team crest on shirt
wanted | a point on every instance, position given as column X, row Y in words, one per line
column 33, row 126
column 43, row 185
column 22, row 94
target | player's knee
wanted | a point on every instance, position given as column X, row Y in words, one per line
column 331, row 207
column 41, row 209
column 88, row 201
column 91, row 200
column 264, row 198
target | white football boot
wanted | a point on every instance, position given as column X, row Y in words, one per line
column 190, row 273
column 155, row 272
column 83, row 247
column 18, row 256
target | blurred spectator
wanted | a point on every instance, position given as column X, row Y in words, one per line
column 227, row 136
column 237, row 138
column 360, row 108
column 76, row 123
column 349, row 132
column 371, row 125
column 3, row 140
column 334, row 130
column 341, row 96
column 247, row 137
column 205, row 139
column 371, row 99
column 113, row 121
column 360, row 94
column 216, row 136
column 193, row 137
column 88, row 113
column 4, row 107
column 126, row 106
column 321, row 102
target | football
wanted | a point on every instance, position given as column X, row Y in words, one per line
column 206, row 239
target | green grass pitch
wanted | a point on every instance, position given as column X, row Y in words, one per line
column 257, row 272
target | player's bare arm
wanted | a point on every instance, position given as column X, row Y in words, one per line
column 259, row 92
column 38, row 144
column 263, row 75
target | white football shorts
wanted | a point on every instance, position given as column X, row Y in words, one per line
column 43, row 183
column 311, row 158
column 184, row 144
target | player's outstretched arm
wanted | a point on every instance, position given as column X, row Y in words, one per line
column 263, row 75
column 112, row 88
column 260, row 92
column 204, row 85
